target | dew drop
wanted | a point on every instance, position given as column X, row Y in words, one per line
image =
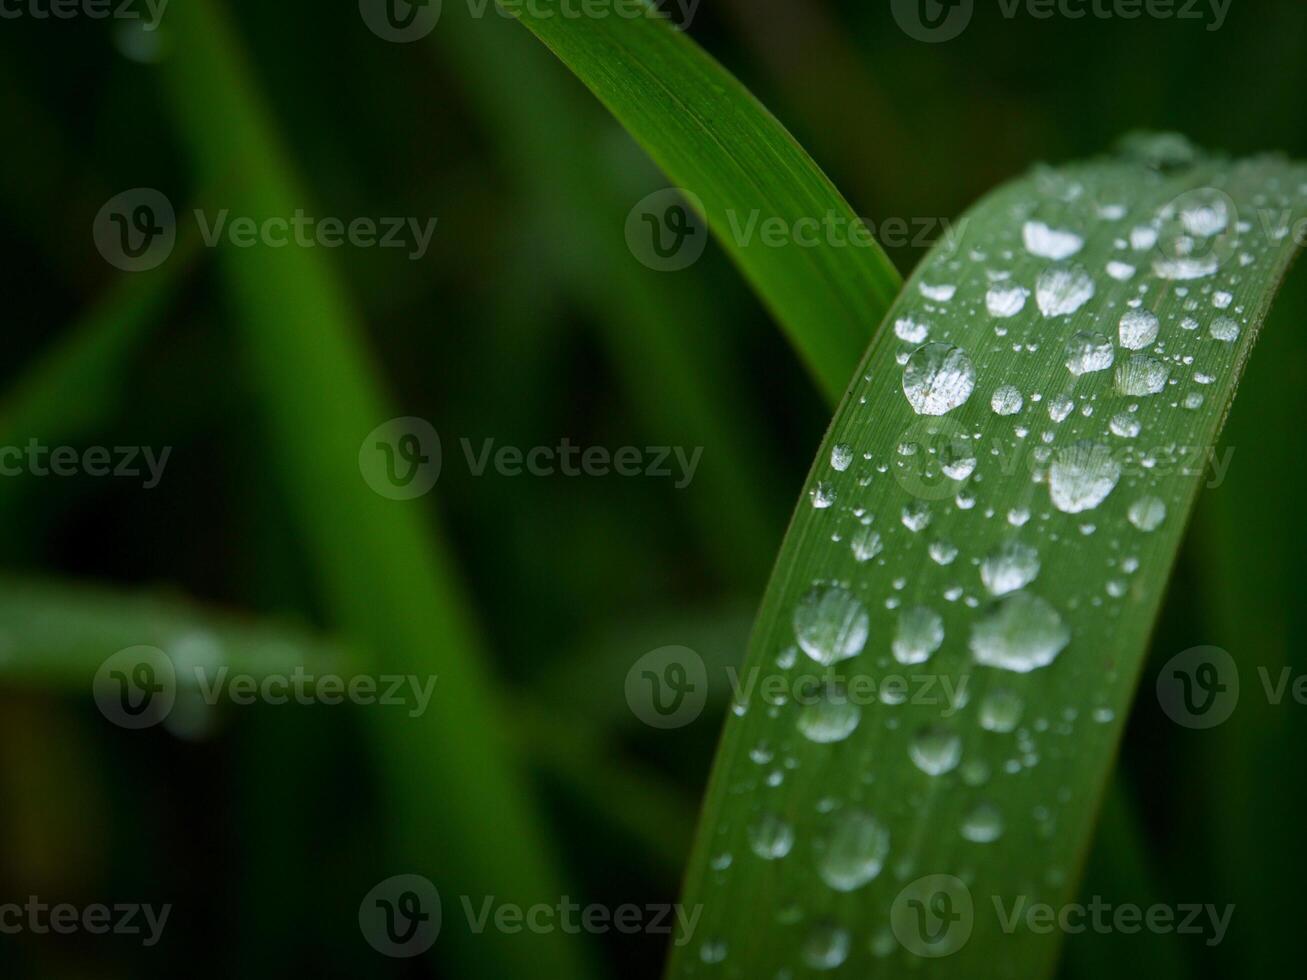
column 823, row 495
column 830, row 625
column 1050, row 243
column 910, row 330
column 942, row 552
column 935, row 750
column 826, row 947
column 1141, row 375
column 1000, row 711
column 1009, row 567
column 831, row 717
column 920, row 634
column 940, row 292
column 1125, row 425
column 1147, row 513
column 841, row 456
column 938, row 378
column 866, row 544
column 1138, row 329
column 1021, row 634
column 1224, row 329
column 983, row 825
column 1081, row 476
column 1060, row 292
column 1007, row 400
column 770, row 837
column 1089, row 352
column 1006, row 300
column 855, row 852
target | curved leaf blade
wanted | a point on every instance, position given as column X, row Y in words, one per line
column 716, row 140
column 1009, row 816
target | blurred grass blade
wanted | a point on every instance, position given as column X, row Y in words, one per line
column 664, row 335
column 389, row 586
column 715, row 140
column 996, row 529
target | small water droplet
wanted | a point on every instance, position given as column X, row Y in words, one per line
column 841, row 456
column 910, row 330
column 1125, row 425
column 866, row 544
column 1000, row 711
column 939, row 292
column 831, row 717
column 823, row 495
column 770, row 837
column 935, row 750
column 1147, row 513
column 920, row 634
column 826, row 948
column 1224, row 329
column 983, row 825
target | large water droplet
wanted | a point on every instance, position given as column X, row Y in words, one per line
column 938, row 378
column 1138, row 329
column 1141, row 375
column 1060, row 292
column 1021, row 634
column 1081, row 476
column 1050, row 243
column 1087, row 352
column 830, row 625
column 920, row 633
column 855, row 852
column 1010, row 567
column 935, row 750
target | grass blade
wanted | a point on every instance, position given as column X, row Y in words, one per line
column 390, row 586
column 714, row 139
column 1010, row 810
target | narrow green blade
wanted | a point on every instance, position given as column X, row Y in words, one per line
column 717, row 141
column 389, row 584
column 991, row 520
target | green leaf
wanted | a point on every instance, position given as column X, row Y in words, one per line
column 1064, row 477
column 717, row 141
column 389, row 584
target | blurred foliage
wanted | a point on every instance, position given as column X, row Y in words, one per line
column 268, row 829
